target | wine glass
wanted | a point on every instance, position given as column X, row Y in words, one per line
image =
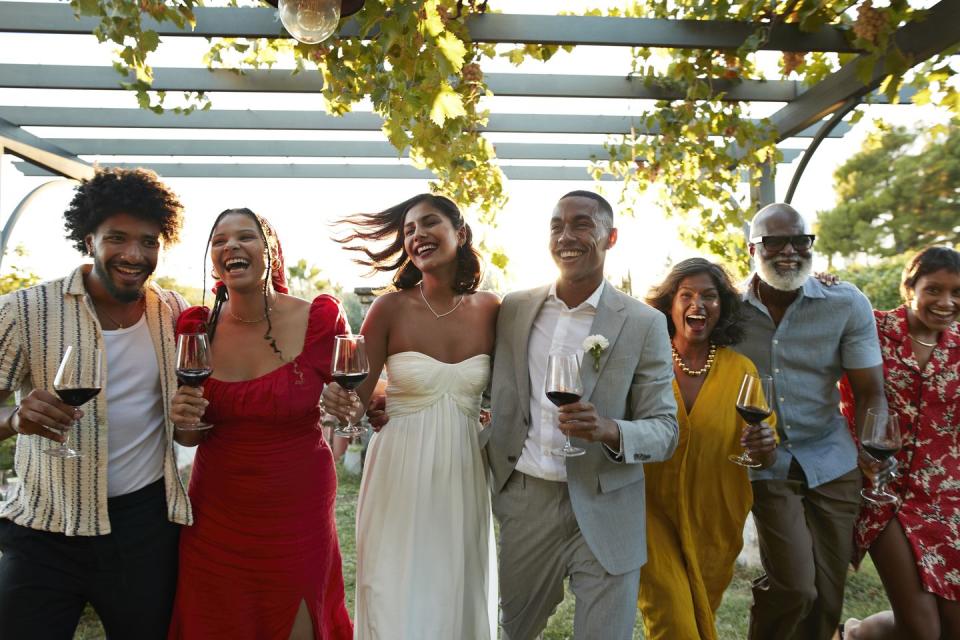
column 78, row 380
column 562, row 385
column 753, row 407
column 350, row 369
column 881, row 439
column 194, row 366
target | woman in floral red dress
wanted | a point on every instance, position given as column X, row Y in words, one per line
column 916, row 545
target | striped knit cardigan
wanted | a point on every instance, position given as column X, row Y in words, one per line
column 36, row 325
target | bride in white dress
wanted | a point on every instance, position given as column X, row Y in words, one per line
column 424, row 529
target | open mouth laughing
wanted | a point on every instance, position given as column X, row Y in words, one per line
column 236, row 264
column 425, row 249
column 696, row 321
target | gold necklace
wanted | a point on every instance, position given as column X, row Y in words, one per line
column 439, row 315
column 111, row 318
column 687, row 370
column 260, row 319
column 921, row 342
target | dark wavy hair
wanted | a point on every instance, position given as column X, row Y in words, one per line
column 137, row 192
column 928, row 261
column 372, row 227
column 728, row 330
column 271, row 259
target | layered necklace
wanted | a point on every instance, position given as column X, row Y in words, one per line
column 696, row 373
column 439, row 315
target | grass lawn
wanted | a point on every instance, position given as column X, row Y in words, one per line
column 864, row 593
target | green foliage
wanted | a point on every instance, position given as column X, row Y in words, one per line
column 17, row 277
column 308, row 281
column 880, row 282
column 895, row 195
column 422, row 73
column 193, row 295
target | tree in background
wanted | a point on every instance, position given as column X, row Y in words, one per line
column 879, row 282
column 898, row 194
column 307, row 281
column 193, row 295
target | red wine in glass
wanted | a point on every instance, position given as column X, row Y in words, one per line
column 561, row 398
column 349, row 381
column 194, row 366
column 77, row 397
column 753, row 415
column 753, row 407
column 79, row 379
column 349, row 369
column 881, row 439
column 193, row 377
column 880, row 454
column 563, row 386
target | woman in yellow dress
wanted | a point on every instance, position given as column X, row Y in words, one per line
column 698, row 501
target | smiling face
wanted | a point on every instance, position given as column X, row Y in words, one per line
column 696, row 309
column 579, row 238
column 935, row 299
column 786, row 269
column 429, row 237
column 238, row 252
column 125, row 250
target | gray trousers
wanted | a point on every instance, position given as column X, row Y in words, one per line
column 540, row 546
column 806, row 539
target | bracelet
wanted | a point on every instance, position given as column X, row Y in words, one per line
column 10, row 421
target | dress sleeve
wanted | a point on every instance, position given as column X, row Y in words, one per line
column 13, row 357
column 192, row 320
column 327, row 319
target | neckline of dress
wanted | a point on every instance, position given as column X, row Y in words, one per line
column 425, row 355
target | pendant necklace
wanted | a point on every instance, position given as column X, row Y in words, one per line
column 438, row 315
column 114, row 320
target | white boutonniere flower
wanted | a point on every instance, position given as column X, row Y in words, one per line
column 595, row 345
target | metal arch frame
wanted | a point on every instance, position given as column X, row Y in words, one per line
column 824, row 131
column 19, row 210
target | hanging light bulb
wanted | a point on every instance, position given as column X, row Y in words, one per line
column 310, row 21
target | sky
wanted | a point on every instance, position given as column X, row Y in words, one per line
column 303, row 210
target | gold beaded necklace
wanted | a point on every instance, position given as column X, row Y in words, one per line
column 691, row 372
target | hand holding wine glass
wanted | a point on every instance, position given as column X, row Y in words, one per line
column 350, row 368
column 79, row 379
column 194, row 366
column 563, row 386
column 754, row 408
column 881, row 440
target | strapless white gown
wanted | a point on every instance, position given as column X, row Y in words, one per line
column 425, row 554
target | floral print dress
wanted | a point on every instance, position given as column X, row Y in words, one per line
column 928, row 403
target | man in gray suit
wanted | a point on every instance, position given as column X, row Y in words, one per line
column 578, row 517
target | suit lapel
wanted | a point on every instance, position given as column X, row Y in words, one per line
column 608, row 323
column 526, row 315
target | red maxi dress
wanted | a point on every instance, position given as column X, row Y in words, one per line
column 263, row 487
column 928, row 403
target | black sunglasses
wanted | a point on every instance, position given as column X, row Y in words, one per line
column 774, row 244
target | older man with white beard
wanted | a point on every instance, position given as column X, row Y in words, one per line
column 805, row 335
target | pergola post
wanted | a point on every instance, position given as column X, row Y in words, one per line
column 766, row 192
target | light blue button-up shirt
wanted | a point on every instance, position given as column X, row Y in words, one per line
column 824, row 332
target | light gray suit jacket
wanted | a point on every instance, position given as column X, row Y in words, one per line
column 634, row 387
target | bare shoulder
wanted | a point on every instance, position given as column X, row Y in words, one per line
column 388, row 302
column 486, row 300
column 291, row 304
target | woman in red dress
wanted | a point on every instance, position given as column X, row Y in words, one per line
column 262, row 560
column 916, row 545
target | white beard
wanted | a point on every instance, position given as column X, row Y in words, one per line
column 784, row 282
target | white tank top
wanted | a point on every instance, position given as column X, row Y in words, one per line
column 134, row 410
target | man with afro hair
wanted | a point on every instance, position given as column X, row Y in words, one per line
column 97, row 522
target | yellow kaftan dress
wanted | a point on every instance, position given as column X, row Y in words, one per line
column 697, row 503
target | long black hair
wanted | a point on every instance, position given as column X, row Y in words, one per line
column 388, row 223
column 272, row 259
column 728, row 330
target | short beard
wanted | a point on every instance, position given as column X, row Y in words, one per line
column 120, row 295
column 769, row 274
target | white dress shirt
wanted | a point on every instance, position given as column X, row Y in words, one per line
column 556, row 329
